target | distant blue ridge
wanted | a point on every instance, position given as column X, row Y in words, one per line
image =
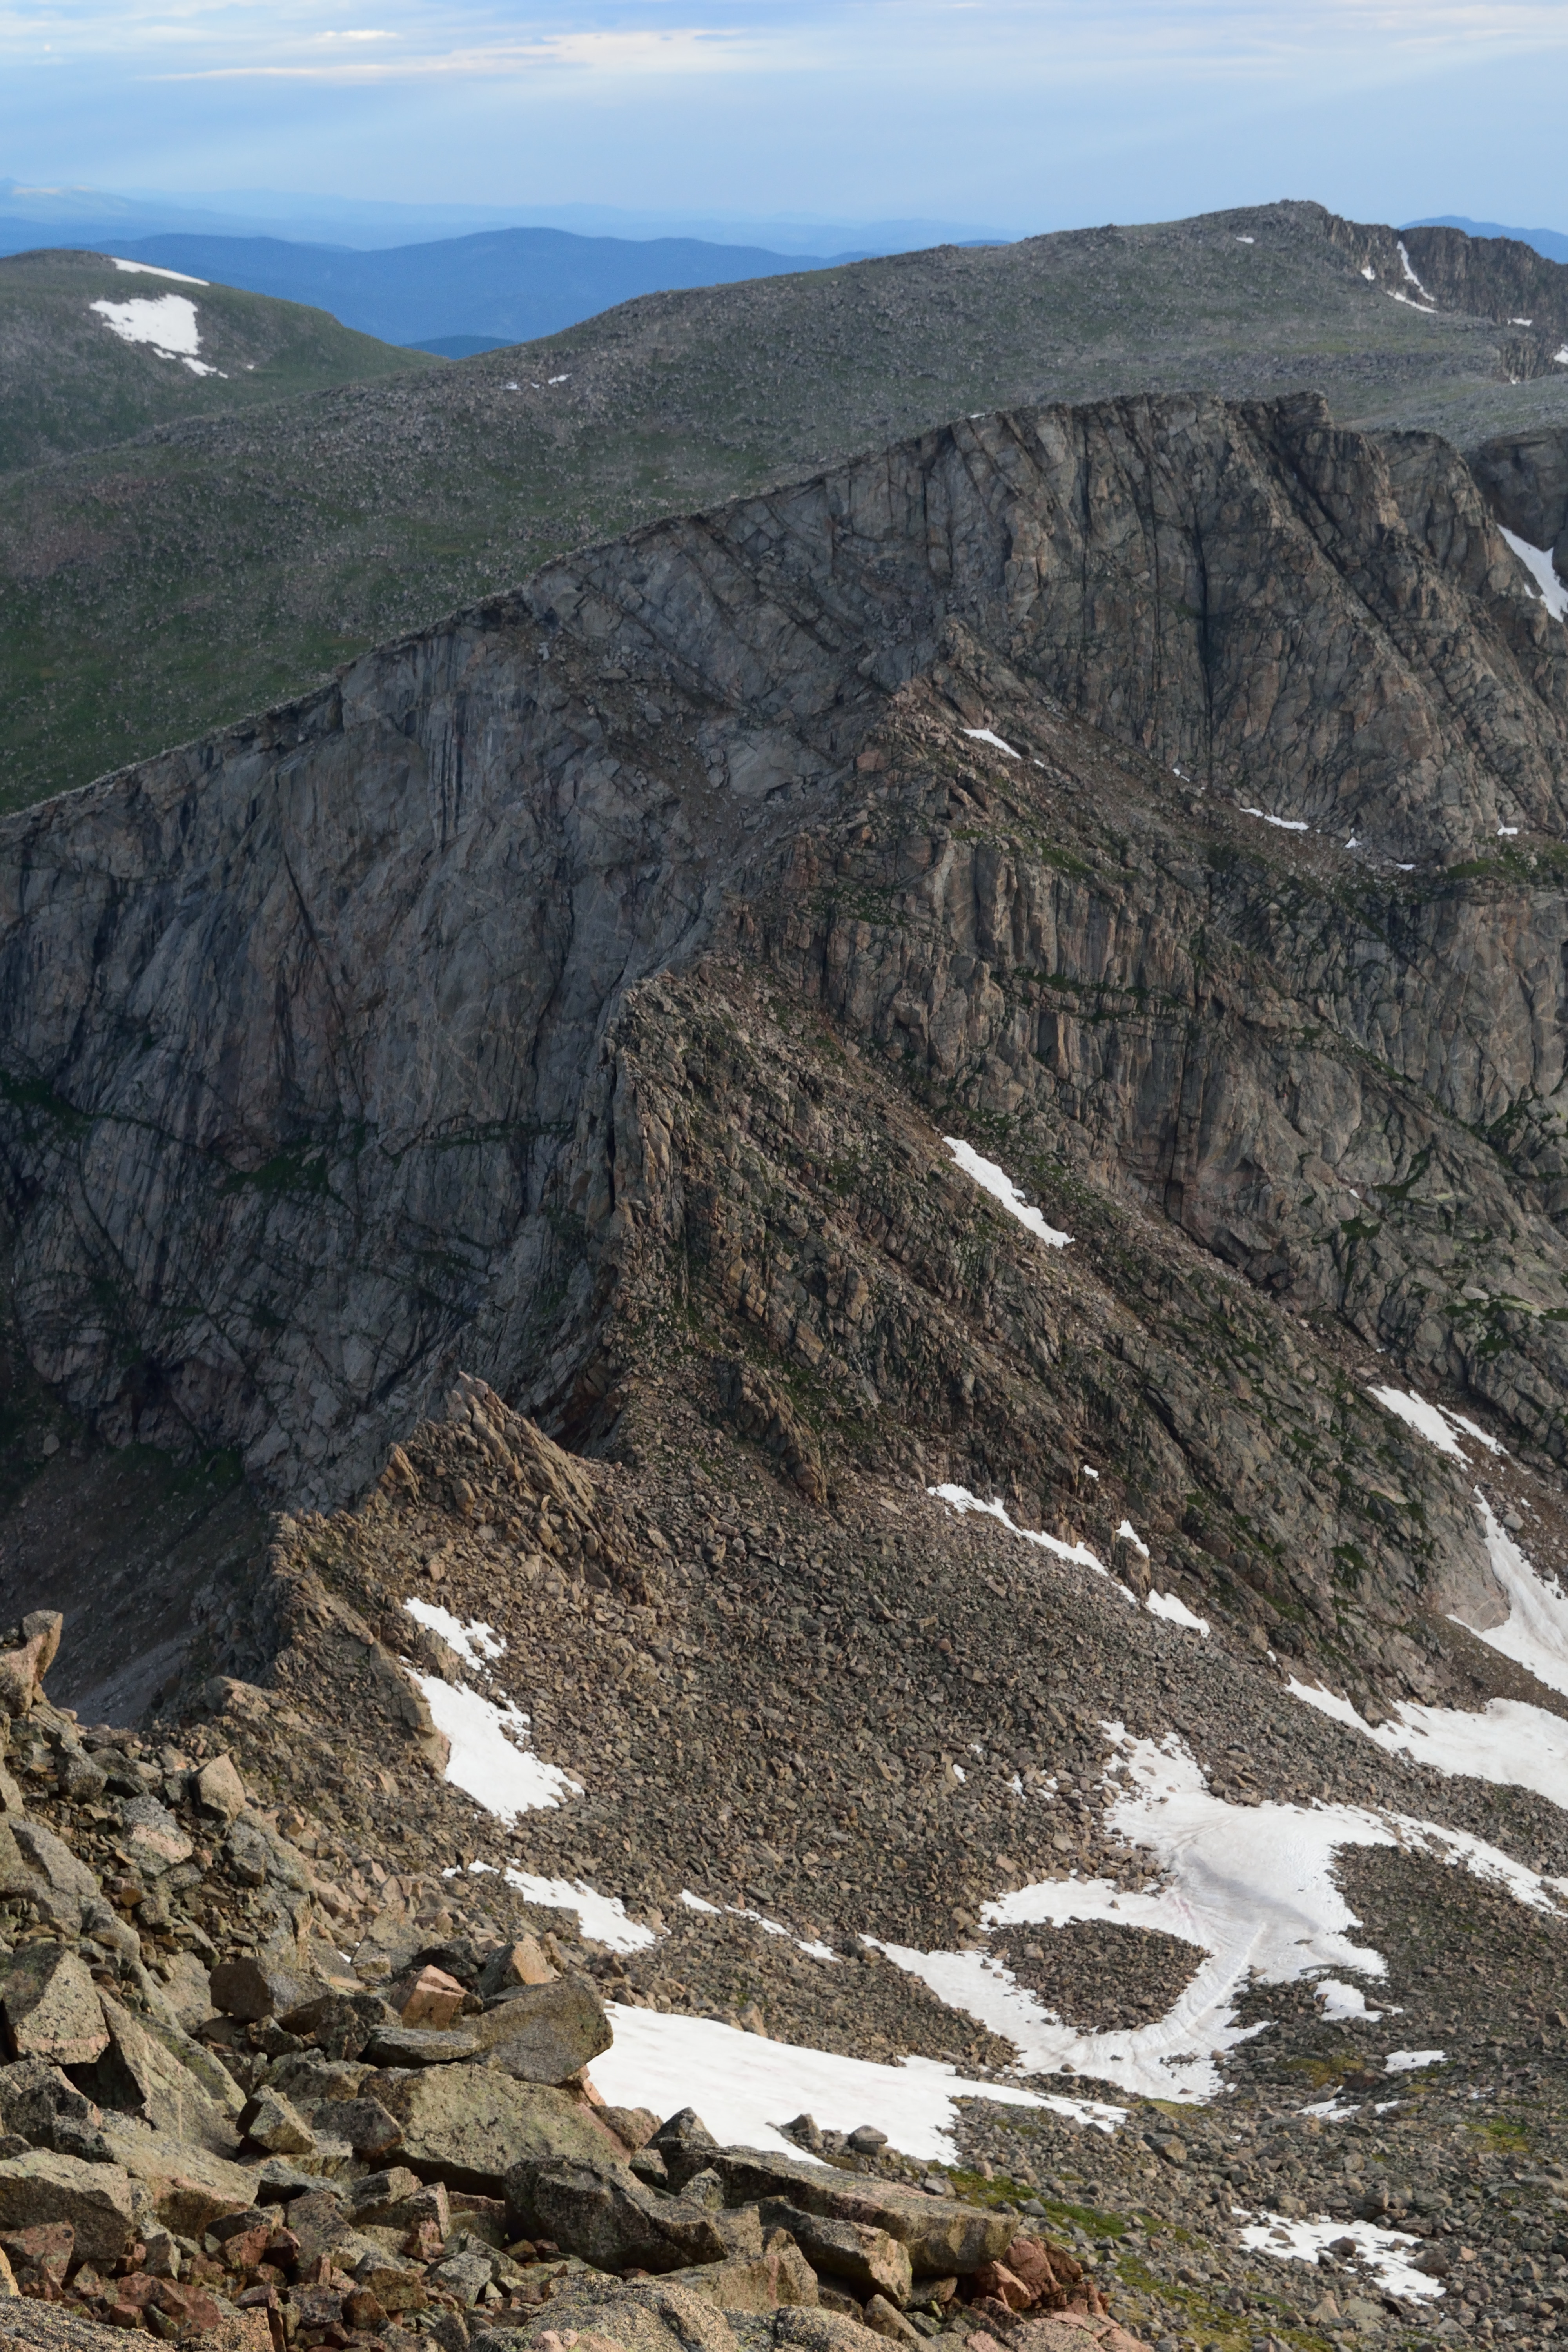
column 503, row 286
column 1551, row 243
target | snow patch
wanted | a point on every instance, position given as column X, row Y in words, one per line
column 1367, row 271
column 1128, row 1533
column 984, row 734
column 475, row 1644
column 1535, row 1634
column 1382, row 2250
column 1537, row 561
column 1342, row 2001
column 1174, row 1611
column 604, row 1916
column 1251, row 1887
column 744, row 2086
column 1001, row 1187
column 960, row 1499
column 1410, row 277
column 1285, row 823
column 148, row 269
column 487, row 1757
column 1509, row 1743
column 1560, row 356
column 167, row 322
column 1405, row 2061
column 1426, row 1418
column 813, row 1945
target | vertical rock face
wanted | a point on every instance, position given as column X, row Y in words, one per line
column 344, row 1045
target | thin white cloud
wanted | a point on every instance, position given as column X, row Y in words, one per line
column 1048, row 43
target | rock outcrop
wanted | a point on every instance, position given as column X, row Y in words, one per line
column 323, row 1040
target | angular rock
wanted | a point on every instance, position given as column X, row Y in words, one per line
column 274, row 2123
column 250, row 1988
column 883, row 2319
column 415, row 2045
column 396, row 2281
column 547, row 2032
column 778, row 2277
column 190, row 2188
column 633, row 2126
column 464, row 2277
column 44, row 1627
column 220, row 1789
column 154, row 1840
column 430, row 1999
column 35, row 2096
column 601, row 2211
column 639, row 2314
column 686, row 2144
column 52, row 2009
column 66, row 1884
column 320, row 2220
column 141, row 2075
column 867, row 2256
column 522, row 1963
column 20, row 1673
column 95, row 2198
column 364, row 2124
column 942, row 2236
column 396, row 2200
column 469, row 2125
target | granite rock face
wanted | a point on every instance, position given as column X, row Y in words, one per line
column 390, row 1031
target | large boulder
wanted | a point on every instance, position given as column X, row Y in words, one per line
column 190, row 2186
column 51, row 2007
column 140, row 2075
column 640, row 2315
column 778, row 2276
column 869, row 2258
column 38, row 2103
column 469, row 2125
column 251, row 1988
column 600, row 2209
column 942, row 2237
column 95, row 2198
column 547, row 2032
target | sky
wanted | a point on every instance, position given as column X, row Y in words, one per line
column 1015, row 114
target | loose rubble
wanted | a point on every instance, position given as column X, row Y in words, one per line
column 250, row 2143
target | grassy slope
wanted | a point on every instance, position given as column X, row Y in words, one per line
column 68, row 382
column 154, row 591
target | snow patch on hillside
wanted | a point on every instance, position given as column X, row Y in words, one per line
column 745, row 2085
column 489, row 1756
column 1537, row 561
column 1381, row 2251
column 476, row 1643
column 1250, row 1887
column 1510, row 1743
column 1001, row 1187
column 150, row 269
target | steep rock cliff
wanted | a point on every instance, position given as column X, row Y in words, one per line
column 1164, row 793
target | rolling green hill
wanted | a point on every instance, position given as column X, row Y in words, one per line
column 93, row 351
column 154, row 591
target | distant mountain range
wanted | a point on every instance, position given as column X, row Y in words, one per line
column 32, row 216
column 1551, row 242
column 457, row 296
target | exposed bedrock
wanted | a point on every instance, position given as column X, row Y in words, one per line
column 316, row 1074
